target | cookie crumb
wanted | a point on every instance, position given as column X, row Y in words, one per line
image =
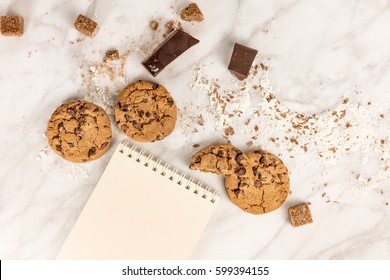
column 111, row 55
column 86, row 25
column 300, row 215
column 229, row 131
column 153, row 25
column 12, row 26
column 171, row 26
column 192, row 13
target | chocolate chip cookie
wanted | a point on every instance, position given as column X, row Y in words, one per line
column 264, row 186
column 222, row 159
column 79, row 131
column 145, row 111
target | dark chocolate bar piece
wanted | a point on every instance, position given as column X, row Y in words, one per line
column 172, row 47
column 241, row 61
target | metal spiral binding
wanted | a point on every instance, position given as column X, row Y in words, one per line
column 132, row 151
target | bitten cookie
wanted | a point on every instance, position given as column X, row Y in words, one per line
column 264, row 186
column 222, row 159
column 145, row 111
column 79, row 131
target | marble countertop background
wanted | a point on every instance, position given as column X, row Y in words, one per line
column 315, row 54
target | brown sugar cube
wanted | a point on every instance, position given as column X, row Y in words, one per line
column 12, row 25
column 300, row 215
column 86, row 26
column 191, row 13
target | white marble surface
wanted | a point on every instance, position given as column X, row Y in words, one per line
column 318, row 52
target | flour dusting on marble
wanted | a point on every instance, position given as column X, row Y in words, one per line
column 103, row 80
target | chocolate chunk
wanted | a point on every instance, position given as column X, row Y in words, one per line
column 241, row 61
column 239, row 158
column 172, row 47
column 78, row 131
column 71, row 112
column 241, row 171
column 92, row 151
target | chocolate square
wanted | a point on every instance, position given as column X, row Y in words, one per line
column 241, row 61
column 86, row 25
column 12, row 25
column 172, row 47
column 300, row 215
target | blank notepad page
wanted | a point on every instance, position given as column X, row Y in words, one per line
column 140, row 209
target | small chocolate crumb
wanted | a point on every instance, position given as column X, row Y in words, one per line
column 195, row 145
column 192, row 13
column 229, row 131
column 153, row 25
column 111, row 55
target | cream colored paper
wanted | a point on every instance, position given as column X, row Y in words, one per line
column 136, row 213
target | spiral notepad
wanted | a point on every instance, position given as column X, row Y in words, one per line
column 140, row 209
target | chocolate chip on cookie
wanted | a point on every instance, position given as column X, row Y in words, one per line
column 222, row 159
column 79, row 131
column 145, row 111
column 263, row 187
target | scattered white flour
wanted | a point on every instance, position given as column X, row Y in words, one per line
column 351, row 127
column 42, row 155
column 102, row 81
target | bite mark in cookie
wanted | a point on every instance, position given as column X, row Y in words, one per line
column 222, row 159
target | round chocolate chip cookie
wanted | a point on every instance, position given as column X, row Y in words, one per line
column 222, row 159
column 79, row 131
column 145, row 111
column 264, row 186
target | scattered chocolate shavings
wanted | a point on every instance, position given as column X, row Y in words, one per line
column 200, row 120
column 195, row 145
column 349, row 128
